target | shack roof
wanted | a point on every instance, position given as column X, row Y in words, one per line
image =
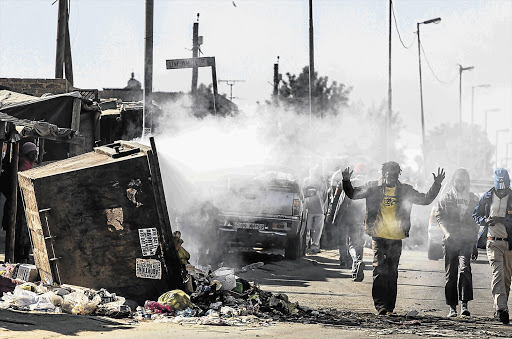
column 30, row 128
column 53, row 109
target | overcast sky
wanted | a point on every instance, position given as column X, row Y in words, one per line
column 246, row 36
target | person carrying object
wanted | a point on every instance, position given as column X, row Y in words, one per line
column 388, row 221
column 316, row 206
column 454, row 217
column 351, row 228
column 494, row 211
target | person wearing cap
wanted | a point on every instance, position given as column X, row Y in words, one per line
column 28, row 156
column 494, row 211
column 388, row 221
column 351, row 226
column 454, row 216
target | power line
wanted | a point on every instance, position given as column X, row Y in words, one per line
column 396, row 26
column 432, row 70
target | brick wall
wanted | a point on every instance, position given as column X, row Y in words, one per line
column 36, row 87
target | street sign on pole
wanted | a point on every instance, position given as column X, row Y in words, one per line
column 197, row 62
column 190, row 62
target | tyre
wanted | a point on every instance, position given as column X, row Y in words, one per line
column 435, row 251
column 296, row 245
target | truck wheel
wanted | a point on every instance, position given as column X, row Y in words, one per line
column 296, row 246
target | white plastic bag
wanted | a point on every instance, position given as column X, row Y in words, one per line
column 79, row 303
column 226, row 276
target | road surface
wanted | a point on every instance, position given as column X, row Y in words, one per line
column 346, row 308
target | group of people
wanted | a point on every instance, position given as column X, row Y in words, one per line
column 387, row 220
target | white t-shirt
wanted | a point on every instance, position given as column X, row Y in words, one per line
column 498, row 209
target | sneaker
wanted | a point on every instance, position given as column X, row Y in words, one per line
column 453, row 312
column 503, row 316
column 382, row 311
column 358, row 271
column 315, row 249
column 464, row 310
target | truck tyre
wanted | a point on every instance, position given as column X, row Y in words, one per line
column 296, row 246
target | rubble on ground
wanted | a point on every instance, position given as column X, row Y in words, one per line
column 221, row 298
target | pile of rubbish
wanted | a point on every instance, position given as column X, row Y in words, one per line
column 218, row 297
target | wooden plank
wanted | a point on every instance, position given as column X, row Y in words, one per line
column 170, row 254
column 36, row 229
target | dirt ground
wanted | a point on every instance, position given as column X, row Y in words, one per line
column 341, row 308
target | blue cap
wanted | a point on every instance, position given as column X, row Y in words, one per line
column 501, row 179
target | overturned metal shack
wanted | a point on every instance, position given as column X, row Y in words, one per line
column 99, row 220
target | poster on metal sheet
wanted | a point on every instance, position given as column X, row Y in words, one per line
column 148, row 238
column 148, row 268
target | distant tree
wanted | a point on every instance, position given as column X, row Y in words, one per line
column 326, row 99
column 475, row 151
column 373, row 134
column 203, row 103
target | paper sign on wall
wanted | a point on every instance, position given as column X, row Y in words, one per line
column 148, row 238
column 148, row 269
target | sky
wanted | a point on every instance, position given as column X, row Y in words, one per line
column 246, row 36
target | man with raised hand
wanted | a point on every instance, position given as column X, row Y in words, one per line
column 388, row 221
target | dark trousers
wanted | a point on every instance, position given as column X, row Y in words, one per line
column 386, row 256
column 351, row 242
column 459, row 280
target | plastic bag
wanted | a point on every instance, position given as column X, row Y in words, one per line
column 227, row 278
column 24, row 298
column 176, row 299
column 79, row 303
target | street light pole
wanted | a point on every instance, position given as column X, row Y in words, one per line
column 461, row 69
column 436, row 20
column 486, row 113
column 497, row 133
column 473, row 100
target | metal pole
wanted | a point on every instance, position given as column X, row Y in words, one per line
column 148, row 64
column 311, row 59
column 421, row 89
column 472, row 105
column 195, row 54
column 390, row 97
column 497, row 133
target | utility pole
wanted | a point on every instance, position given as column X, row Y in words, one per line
column 68, row 63
column 461, row 69
column 148, row 65
column 390, row 103
column 311, row 59
column 231, row 83
column 63, row 49
column 277, row 78
column 195, row 53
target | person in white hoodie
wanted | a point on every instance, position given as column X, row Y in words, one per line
column 316, row 206
column 454, row 216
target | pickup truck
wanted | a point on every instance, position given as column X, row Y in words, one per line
column 265, row 211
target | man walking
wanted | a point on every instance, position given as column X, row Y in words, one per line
column 351, row 228
column 494, row 210
column 388, row 221
column 454, row 216
column 316, row 206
